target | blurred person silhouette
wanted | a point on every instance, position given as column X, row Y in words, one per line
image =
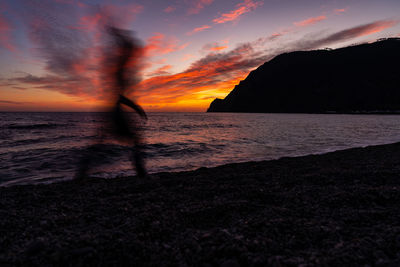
column 119, row 72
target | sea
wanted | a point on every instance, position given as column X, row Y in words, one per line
column 47, row 147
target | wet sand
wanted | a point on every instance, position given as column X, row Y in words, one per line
column 340, row 208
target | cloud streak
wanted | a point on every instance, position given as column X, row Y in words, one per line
column 241, row 8
column 99, row 16
column 351, row 33
column 338, row 11
column 12, row 102
column 169, row 9
column 164, row 70
column 198, row 5
column 214, row 47
column 159, row 44
column 198, row 29
column 5, row 34
column 309, row 21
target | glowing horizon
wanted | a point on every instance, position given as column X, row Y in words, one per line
column 193, row 51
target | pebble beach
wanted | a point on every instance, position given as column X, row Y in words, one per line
column 339, row 208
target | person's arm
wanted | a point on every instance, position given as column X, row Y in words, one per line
column 130, row 103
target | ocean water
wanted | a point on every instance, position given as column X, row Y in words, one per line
column 46, row 147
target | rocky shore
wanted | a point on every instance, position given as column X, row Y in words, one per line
column 340, row 208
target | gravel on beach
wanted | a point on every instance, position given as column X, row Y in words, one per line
column 339, row 208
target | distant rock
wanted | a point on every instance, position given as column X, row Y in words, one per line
column 356, row 79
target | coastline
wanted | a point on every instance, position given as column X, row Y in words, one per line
column 335, row 208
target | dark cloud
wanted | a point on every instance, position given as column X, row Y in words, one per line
column 6, row 83
column 49, row 79
column 72, row 44
column 345, row 35
column 5, row 34
column 57, row 41
column 12, row 102
column 18, row 87
column 69, row 85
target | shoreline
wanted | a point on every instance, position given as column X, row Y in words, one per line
column 317, row 113
column 12, row 183
column 335, row 208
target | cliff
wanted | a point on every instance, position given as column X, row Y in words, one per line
column 363, row 78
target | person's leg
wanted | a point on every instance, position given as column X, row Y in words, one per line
column 138, row 157
column 87, row 156
column 83, row 167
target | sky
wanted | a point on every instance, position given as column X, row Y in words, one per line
column 52, row 51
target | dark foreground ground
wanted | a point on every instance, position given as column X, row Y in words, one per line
column 341, row 208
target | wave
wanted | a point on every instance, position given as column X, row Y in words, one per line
column 208, row 126
column 190, row 127
column 15, row 143
column 180, row 149
column 110, row 152
column 37, row 126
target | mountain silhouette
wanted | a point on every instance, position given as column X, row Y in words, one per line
column 356, row 79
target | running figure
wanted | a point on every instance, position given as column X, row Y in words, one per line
column 119, row 125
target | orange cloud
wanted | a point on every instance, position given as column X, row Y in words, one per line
column 376, row 27
column 275, row 35
column 241, row 8
column 178, row 93
column 121, row 14
column 160, row 44
column 5, row 34
column 309, row 21
column 214, row 47
column 218, row 48
column 169, row 9
column 198, row 5
column 340, row 10
column 199, row 29
column 161, row 71
column 89, row 22
column 187, row 57
column 214, row 74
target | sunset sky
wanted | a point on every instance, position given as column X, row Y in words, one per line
column 193, row 50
